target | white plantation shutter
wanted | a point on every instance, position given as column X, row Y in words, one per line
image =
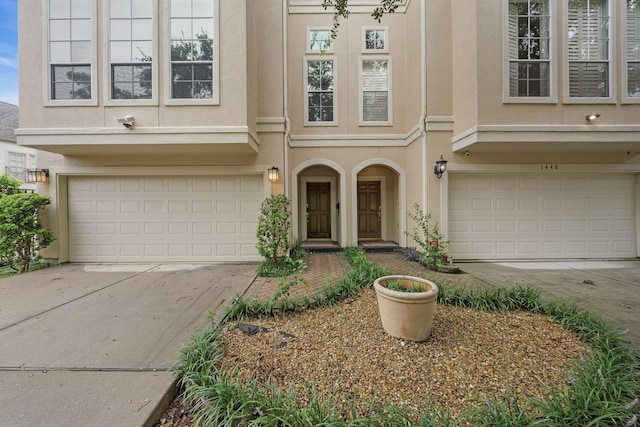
column 588, row 48
column 375, row 90
column 513, row 50
column 633, row 48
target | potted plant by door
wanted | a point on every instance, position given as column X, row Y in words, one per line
column 407, row 305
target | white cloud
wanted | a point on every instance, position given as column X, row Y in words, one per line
column 9, row 62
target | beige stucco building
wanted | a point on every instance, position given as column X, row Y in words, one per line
column 161, row 118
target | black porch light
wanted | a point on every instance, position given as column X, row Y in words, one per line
column 440, row 167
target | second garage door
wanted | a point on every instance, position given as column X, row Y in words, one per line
column 182, row 218
column 541, row 217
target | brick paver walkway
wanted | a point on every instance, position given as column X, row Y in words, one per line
column 328, row 268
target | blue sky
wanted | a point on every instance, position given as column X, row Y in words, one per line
column 9, row 51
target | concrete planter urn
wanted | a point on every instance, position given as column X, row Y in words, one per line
column 406, row 314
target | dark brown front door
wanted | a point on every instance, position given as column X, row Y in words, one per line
column 318, row 210
column 369, row 210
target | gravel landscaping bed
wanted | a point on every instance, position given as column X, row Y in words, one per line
column 342, row 351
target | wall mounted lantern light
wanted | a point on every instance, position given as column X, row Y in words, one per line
column 440, row 167
column 591, row 117
column 273, row 174
column 37, row 175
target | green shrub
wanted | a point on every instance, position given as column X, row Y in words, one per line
column 21, row 234
column 273, row 228
column 8, row 183
column 431, row 242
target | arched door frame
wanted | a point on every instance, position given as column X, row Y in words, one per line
column 295, row 191
column 402, row 196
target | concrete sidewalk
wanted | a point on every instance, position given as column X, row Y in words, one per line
column 90, row 345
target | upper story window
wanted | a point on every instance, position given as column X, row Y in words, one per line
column 375, row 98
column 193, row 49
column 374, row 40
column 131, row 49
column 320, row 91
column 529, row 48
column 319, row 40
column 633, row 49
column 70, row 45
column 588, row 48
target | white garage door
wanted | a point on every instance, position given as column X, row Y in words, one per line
column 532, row 217
column 199, row 218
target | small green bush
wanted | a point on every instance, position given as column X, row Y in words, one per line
column 21, row 234
column 432, row 245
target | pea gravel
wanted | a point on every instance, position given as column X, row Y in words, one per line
column 342, row 351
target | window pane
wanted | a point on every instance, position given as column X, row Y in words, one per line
column 202, row 90
column 181, row 29
column 180, row 8
column 59, row 9
column 181, row 90
column 202, row 72
column 203, row 8
column 142, row 90
column 81, row 8
column 319, row 40
column 142, row 9
column 59, row 30
column 120, row 52
column 142, row 51
column 203, row 50
column 181, row 72
column 121, row 8
column 142, row 29
column 122, row 91
column 120, row 29
column 62, row 74
column 81, row 29
column 122, row 73
column 180, row 51
column 314, row 99
column 80, row 51
column 60, row 52
column 203, row 28
column 374, row 39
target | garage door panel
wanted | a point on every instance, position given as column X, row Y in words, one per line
column 163, row 219
column 541, row 217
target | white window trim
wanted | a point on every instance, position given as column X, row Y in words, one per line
column 305, row 69
column 553, row 68
column 106, row 68
column 386, row 40
column 308, row 41
column 626, row 99
column 389, row 122
column 46, row 89
column 215, row 100
column 613, row 89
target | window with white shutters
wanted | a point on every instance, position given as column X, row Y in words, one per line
column 588, row 48
column 633, row 48
column 375, row 90
column 528, row 48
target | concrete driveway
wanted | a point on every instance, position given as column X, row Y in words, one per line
column 89, row 345
column 611, row 288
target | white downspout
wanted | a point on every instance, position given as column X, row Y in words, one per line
column 423, row 94
column 285, row 102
